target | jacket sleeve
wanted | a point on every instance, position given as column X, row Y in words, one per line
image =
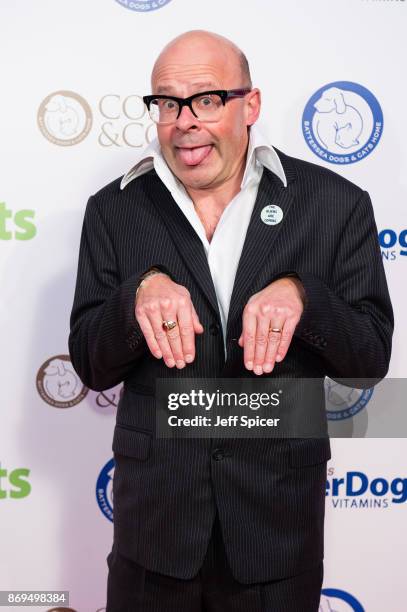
column 105, row 340
column 349, row 323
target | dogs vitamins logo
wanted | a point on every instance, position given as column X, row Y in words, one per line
column 342, row 122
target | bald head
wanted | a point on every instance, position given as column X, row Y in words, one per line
column 198, row 43
column 204, row 152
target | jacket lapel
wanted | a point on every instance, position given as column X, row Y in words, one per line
column 259, row 240
column 185, row 238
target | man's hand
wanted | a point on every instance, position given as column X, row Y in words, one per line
column 160, row 299
column 278, row 306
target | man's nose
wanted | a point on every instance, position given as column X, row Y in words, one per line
column 187, row 119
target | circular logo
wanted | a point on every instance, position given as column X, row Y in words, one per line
column 342, row 122
column 344, row 402
column 58, row 384
column 335, row 597
column 271, row 214
column 104, row 489
column 143, row 6
column 64, row 118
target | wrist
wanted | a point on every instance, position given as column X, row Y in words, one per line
column 150, row 273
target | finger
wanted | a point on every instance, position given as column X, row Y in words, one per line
column 186, row 330
column 156, row 321
column 286, row 338
column 249, row 336
column 196, row 322
column 262, row 337
column 148, row 334
column 169, row 313
column 274, row 338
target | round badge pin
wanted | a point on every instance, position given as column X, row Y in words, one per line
column 271, row 214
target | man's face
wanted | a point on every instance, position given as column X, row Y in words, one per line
column 204, row 155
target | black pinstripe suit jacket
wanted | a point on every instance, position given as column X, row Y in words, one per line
column 270, row 494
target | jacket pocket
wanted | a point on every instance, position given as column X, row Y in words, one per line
column 309, row 451
column 131, row 442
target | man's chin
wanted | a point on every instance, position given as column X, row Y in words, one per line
column 197, row 177
column 196, row 181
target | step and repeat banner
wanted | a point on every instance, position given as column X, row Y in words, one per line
column 72, row 119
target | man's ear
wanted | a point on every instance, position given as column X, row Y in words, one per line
column 253, row 104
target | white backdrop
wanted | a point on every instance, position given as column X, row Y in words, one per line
column 71, row 121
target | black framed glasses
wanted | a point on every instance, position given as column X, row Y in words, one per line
column 205, row 106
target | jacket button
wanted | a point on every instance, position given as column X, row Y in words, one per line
column 218, row 454
column 214, row 329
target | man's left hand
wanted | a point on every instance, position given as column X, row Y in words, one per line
column 278, row 306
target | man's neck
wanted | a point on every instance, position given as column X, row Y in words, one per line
column 211, row 202
column 218, row 197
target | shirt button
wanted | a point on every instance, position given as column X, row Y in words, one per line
column 218, row 454
column 214, row 329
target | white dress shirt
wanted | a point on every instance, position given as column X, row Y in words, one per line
column 224, row 250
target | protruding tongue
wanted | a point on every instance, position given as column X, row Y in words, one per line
column 192, row 157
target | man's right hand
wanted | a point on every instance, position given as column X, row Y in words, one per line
column 160, row 299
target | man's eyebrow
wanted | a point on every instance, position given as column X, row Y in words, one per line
column 167, row 89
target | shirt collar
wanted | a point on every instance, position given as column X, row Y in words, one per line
column 260, row 151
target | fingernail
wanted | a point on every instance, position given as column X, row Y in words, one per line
column 188, row 358
column 258, row 370
column 278, row 358
column 180, row 363
column 267, row 367
column 170, row 363
column 249, row 365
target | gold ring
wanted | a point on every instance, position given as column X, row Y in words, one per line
column 167, row 325
column 276, row 330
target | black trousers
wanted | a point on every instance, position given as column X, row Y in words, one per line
column 132, row 588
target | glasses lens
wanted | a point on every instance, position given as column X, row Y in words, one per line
column 208, row 107
column 163, row 110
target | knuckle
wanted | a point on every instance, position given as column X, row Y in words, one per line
column 278, row 310
column 173, row 335
column 261, row 339
column 165, row 303
column 151, row 306
column 251, row 308
column 139, row 311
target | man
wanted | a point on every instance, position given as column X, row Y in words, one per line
column 218, row 256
